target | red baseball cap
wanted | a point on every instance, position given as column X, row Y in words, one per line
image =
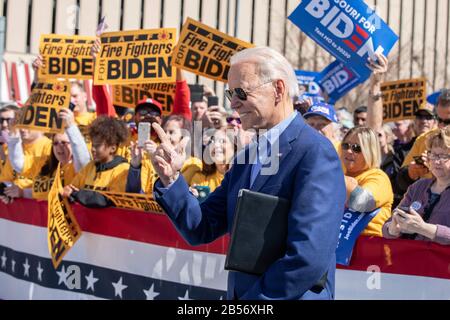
column 150, row 103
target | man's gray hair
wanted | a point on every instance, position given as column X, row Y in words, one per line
column 271, row 66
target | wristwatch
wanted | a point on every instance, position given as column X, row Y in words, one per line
column 376, row 96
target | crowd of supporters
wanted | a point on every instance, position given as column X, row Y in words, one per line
column 401, row 168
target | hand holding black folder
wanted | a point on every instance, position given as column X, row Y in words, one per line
column 259, row 232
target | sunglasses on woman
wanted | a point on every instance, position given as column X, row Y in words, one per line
column 356, row 148
column 231, row 119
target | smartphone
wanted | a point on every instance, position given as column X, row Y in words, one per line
column 213, row 102
column 419, row 160
column 71, row 106
column 143, row 133
column 203, row 193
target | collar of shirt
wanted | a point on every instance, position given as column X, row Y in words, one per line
column 271, row 136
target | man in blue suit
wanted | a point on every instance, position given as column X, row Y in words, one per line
column 293, row 162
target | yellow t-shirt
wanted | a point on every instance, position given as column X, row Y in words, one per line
column 43, row 184
column 85, row 119
column 35, row 156
column 114, row 180
column 378, row 183
column 212, row 181
column 191, row 167
column 419, row 147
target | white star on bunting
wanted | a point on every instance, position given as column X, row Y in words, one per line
column 91, row 281
column 118, row 288
column 26, row 267
column 150, row 293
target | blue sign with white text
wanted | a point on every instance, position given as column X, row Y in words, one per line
column 353, row 223
column 337, row 80
column 306, row 82
column 349, row 30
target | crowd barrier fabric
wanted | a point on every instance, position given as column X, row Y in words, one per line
column 136, row 255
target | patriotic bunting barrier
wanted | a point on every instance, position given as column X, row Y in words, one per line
column 136, row 255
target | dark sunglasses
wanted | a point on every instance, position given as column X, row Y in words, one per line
column 356, row 148
column 424, row 117
column 231, row 119
column 9, row 120
column 151, row 113
column 62, row 143
column 444, row 122
column 241, row 93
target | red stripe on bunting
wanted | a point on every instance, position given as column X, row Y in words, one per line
column 139, row 226
column 416, row 258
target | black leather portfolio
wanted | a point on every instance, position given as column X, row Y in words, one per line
column 259, row 232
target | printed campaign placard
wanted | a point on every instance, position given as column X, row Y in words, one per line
column 63, row 230
column 206, row 51
column 41, row 111
column 349, row 30
column 337, row 80
column 353, row 223
column 306, row 82
column 402, row 98
column 139, row 202
column 67, row 57
column 135, row 57
column 128, row 96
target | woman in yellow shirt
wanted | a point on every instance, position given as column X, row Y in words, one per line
column 67, row 149
column 217, row 159
column 107, row 172
column 368, row 187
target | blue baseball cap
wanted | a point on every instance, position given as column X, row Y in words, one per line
column 434, row 98
column 322, row 109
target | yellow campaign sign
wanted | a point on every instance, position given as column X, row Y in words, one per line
column 128, row 96
column 133, row 201
column 206, row 51
column 402, row 98
column 66, row 57
column 135, row 57
column 63, row 230
column 41, row 112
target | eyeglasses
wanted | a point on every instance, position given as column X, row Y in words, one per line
column 62, row 143
column 151, row 113
column 444, row 122
column 9, row 120
column 231, row 119
column 425, row 117
column 241, row 93
column 356, row 148
column 438, row 157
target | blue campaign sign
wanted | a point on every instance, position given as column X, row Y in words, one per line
column 349, row 30
column 305, row 79
column 353, row 223
column 337, row 80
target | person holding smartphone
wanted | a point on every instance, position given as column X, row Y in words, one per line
column 424, row 212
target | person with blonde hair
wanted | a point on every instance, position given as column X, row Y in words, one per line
column 368, row 187
column 424, row 212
